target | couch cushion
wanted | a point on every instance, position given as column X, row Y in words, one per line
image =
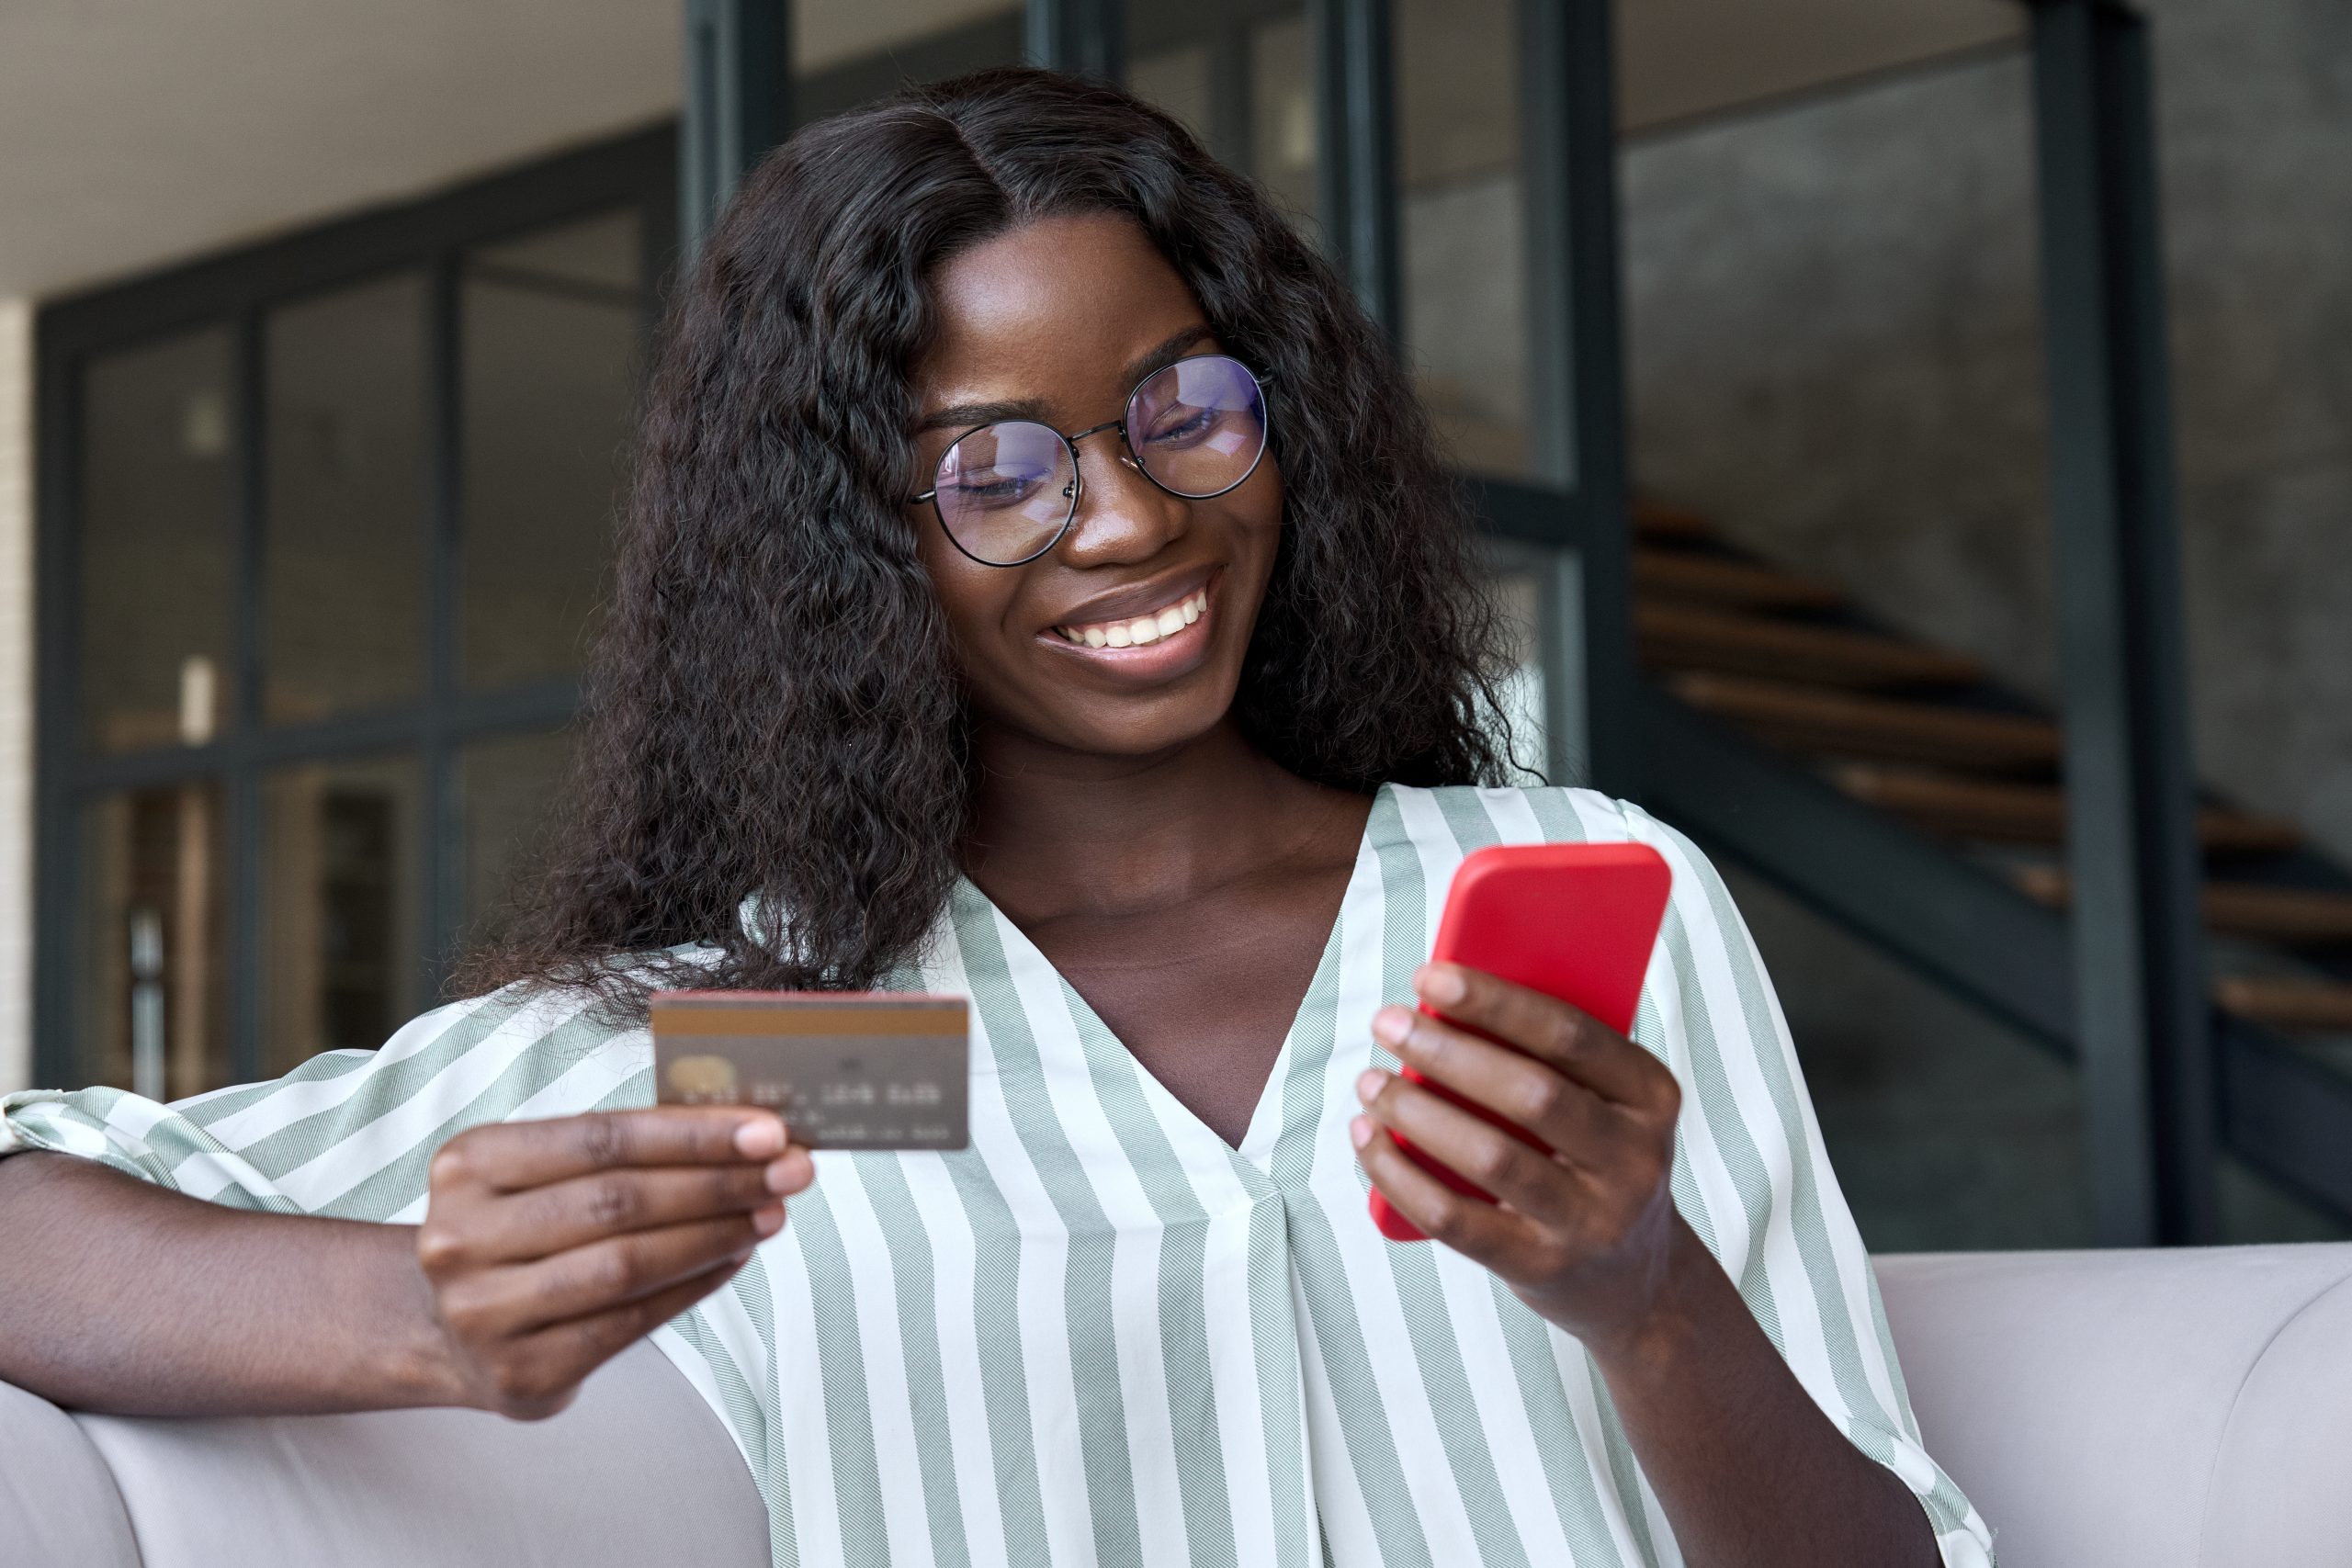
column 2286, row 1462
column 2172, row 1409
column 58, row 1504
column 638, row 1472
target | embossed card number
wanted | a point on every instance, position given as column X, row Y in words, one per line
column 848, row 1071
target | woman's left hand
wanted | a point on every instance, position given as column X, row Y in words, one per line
column 1585, row 1236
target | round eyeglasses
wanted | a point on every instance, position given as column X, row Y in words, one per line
column 1006, row 493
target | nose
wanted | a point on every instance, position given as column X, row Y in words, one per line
column 1123, row 518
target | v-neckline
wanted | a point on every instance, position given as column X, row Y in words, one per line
column 1265, row 1115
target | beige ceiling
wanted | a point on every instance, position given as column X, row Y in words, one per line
column 136, row 132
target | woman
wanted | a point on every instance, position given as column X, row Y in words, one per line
column 1041, row 586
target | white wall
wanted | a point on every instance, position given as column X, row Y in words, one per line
column 16, row 693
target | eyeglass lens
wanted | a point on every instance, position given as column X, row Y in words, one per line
column 1197, row 428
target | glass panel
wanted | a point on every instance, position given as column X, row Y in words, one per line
column 1239, row 75
column 847, row 51
column 1536, row 590
column 1283, row 150
column 340, row 917
column 1681, row 60
column 1948, row 1132
column 158, row 443
column 505, row 790
column 1175, row 78
column 550, row 335
column 1463, row 223
column 1520, row 594
column 2255, row 1209
column 153, row 996
column 1834, row 347
column 343, row 576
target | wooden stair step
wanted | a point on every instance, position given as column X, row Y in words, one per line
column 2234, row 909
column 2323, row 1005
column 1655, row 520
column 2005, row 811
column 2281, row 914
column 1724, row 580
column 1850, row 724
column 2243, row 832
column 1685, row 637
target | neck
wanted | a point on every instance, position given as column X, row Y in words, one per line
column 1056, row 832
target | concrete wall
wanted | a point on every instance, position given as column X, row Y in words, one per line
column 1836, row 352
column 16, row 693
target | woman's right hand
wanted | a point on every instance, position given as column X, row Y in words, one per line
column 549, row 1247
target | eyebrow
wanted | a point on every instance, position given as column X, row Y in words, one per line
column 968, row 416
column 1166, row 354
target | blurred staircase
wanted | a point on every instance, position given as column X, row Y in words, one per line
column 1897, row 787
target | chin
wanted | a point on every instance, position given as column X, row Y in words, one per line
column 1147, row 730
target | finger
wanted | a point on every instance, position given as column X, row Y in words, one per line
column 523, row 1297
column 1490, row 1158
column 1478, row 1231
column 545, row 1367
column 519, row 1226
column 1548, row 1028
column 510, row 1157
column 1566, row 1114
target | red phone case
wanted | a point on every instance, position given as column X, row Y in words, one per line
column 1575, row 921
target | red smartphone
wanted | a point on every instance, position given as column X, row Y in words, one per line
column 1575, row 921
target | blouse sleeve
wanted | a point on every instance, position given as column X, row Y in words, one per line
column 349, row 1134
column 1753, row 1178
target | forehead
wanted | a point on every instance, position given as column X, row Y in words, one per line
column 1049, row 307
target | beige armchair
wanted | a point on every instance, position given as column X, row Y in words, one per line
column 2188, row 1409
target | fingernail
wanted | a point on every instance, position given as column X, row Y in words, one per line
column 779, row 1176
column 1360, row 1131
column 1390, row 1025
column 1438, row 985
column 760, row 1138
column 769, row 1219
column 1368, row 1083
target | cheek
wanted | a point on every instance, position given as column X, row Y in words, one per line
column 973, row 599
column 1262, row 506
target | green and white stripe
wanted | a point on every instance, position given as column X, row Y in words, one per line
column 1101, row 1335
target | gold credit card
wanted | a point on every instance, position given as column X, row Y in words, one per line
column 847, row 1070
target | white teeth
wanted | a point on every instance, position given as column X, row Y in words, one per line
column 1143, row 629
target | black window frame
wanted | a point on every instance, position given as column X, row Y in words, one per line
column 236, row 289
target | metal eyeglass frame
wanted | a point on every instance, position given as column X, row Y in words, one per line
column 1077, row 490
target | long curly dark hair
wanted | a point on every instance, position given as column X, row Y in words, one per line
column 772, row 708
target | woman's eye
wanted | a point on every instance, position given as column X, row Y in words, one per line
column 1193, row 424
column 994, row 490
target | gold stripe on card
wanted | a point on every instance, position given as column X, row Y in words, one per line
column 802, row 1021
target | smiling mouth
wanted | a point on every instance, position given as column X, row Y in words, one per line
column 1137, row 631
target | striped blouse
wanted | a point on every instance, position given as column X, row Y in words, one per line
column 1102, row 1335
